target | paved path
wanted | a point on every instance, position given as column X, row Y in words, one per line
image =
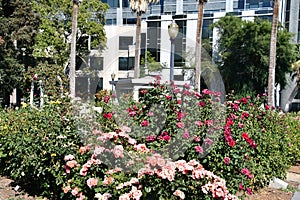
column 291, row 176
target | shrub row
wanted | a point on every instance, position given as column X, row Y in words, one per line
column 172, row 143
column 33, row 144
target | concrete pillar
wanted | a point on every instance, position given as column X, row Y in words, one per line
column 120, row 13
column 294, row 18
column 179, row 7
column 165, row 47
column 13, row 97
column 229, row 5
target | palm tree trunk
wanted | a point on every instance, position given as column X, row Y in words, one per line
column 73, row 50
column 137, row 46
column 198, row 46
column 272, row 58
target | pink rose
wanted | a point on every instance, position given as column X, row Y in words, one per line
column 169, row 97
column 241, row 187
column 75, row 191
column 106, row 99
column 150, row 138
column 185, row 134
column 245, row 171
column 226, row 160
column 201, row 104
column 180, row 125
column 206, row 91
column 145, row 123
column 197, row 138
column 245, row 135
column 91, row 182
column 199, row 149
column 118, row 151
column 249, row 191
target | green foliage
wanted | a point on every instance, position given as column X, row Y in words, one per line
column 252, row 137
column 55, row 28
column 244, row 53
column 151, row 63
column 53, row 78
column 34, row 143
column 18, row 27
column 243, row 141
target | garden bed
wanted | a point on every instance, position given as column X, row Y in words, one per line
column 7, row 191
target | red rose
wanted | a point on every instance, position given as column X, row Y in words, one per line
column 107, row 115
column 245, row 136
column 231, row 143
column 145, row 123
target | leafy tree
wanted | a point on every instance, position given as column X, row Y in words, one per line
column 55, row 29
column 18, row 28
column 151, row 63
column 244, row 53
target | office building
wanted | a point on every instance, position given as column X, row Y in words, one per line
column 118, row 58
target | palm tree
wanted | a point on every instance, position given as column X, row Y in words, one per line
column 73, row 47
column 139, row 7
column 272, row 58
column 296, row 73
column 198, row 43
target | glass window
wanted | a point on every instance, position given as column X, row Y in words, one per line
column 297, row 95
column 126, row 64
column 180, row 42
column 111, row 21
column 96, row 63
column 124, row 42
column 207, row 32
column 129, row 20
column 112, row 3
column 96, row 84
column 153, row 38
column 81, row 87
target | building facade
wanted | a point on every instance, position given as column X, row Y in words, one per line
column 118, row 57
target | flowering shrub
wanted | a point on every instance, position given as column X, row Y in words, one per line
column 243, row 141
column 158, row 178
column 174, row 143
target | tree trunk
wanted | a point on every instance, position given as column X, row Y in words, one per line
column 198, row 46
column 73, row 51
column 137, row 46
column 272, row 58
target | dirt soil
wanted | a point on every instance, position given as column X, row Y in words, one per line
column 9, row 191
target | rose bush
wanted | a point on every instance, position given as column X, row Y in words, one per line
column 244, row 143
column 173, row 143
column 155, row 178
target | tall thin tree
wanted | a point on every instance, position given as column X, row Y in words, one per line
column 198, row 44
column 73, row 47
column 139, row 7
column 272, row 58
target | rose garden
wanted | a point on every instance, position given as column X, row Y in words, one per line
column 173, row 143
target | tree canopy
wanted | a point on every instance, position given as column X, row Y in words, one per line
column 37, row 32
column 18, row 27
column 53, row 38
column 243, row 53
